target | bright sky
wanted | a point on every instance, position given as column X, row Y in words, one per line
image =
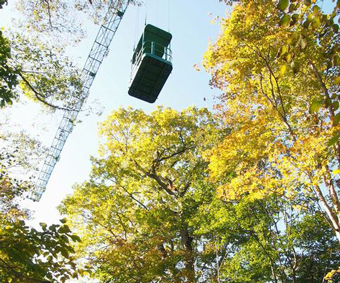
column 191, row 27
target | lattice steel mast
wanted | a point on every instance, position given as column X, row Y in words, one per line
column 98, row 51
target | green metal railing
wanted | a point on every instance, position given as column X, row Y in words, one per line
column 150, row 48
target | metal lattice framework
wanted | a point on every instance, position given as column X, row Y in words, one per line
column 98, row 51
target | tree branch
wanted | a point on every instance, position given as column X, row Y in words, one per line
column 133, row 198
column 41, row 97
column 153, row 175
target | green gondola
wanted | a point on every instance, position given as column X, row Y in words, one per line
column 151, row 64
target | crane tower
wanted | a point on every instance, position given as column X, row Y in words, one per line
column 98, row 51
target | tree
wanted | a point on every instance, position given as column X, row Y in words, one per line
column 312, row 39
column 62, row 17
column 26, row 254
column 35, row 69
column 134, row 213
column 33, row 57
column 279, row 141
column 8, row 77
column 148, row 213
column 268, row 240
column 34, row 64
column 3, row 2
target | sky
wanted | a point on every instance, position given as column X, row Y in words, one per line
column 190, row 23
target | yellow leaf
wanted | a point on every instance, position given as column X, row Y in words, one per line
column 283, row 69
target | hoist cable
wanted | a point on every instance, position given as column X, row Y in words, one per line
column 136, row 27
column 157, row 12
column 146, row 11
column 168, row 15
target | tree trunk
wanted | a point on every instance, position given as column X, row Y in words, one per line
column 189, row 257
column 333, row 219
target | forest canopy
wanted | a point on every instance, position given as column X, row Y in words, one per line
column 246, row 192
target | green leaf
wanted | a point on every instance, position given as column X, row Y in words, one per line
column 335, row 105
column 292, row 7
column 284, row 20
column 283, row 4
column 303, row 43
column 295, row 66
column 335, row 28
column 64, row 229
column 316, row 24
column 305, row 24
column 316, row 9
column 309, row 18
column 64, row 252
column 336, row 60
column 333, row 140
column 336, row 119
column 292, row 37
column 315, row 106
column 75, row 238
column 43, row 225
column 337, row 80
column 295, row 18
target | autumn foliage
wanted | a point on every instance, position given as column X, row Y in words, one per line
column 277, row 66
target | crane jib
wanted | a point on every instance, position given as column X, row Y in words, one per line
column 98, row 51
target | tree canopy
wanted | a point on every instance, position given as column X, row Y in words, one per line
column 142, row 193
column 30, row 66
column 33, row 52
column 8, row 77
column 27, row 254
column 280, row 143
column 148, row 213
